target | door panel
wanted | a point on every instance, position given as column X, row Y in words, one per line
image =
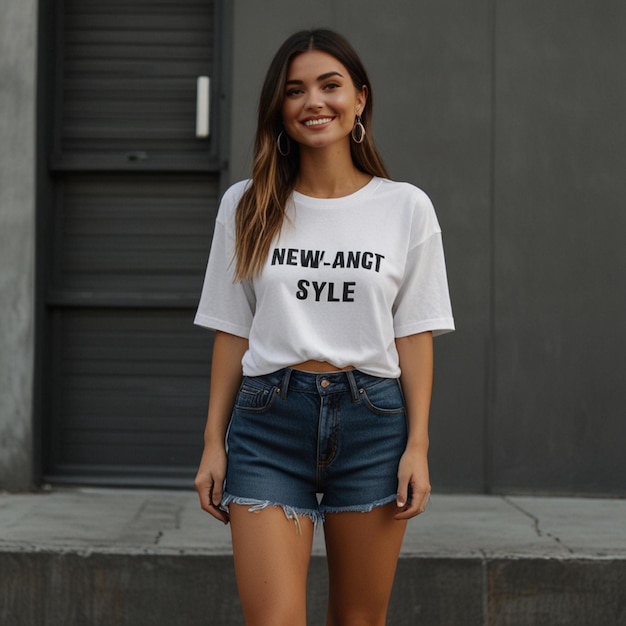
column 134, row 202
column 128, row 86
column 137, row 238
column 132, row 390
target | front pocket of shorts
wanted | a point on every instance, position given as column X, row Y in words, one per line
column 255, row 399
column 383, row 398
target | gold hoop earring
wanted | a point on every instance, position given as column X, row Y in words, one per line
column 358, row 130
column 287, row 150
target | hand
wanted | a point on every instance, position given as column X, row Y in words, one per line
column 209, row 481
column 413, row 474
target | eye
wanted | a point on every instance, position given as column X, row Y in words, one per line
column 294, row 91
column 332, row 86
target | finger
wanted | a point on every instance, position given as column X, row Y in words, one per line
column 409, row 511
column 216, row 493
column 210, row 500
column 416, row 507
column 215, row 498
column 219, row 514
column 402, row 495
column 203, row 489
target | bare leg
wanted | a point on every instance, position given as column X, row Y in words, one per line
column 271, row 565
column 363, row 551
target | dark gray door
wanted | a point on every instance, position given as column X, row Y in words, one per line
column 134, row 169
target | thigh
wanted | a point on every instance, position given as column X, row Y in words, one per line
column 271, row 562
column 363, row 550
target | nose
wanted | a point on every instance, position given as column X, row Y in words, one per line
column 314, row 101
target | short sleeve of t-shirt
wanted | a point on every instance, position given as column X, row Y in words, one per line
column 423, row 300
column 225, row 304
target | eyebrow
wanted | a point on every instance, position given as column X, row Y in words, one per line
column 320, row 78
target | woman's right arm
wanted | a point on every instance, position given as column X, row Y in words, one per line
column 226, row 375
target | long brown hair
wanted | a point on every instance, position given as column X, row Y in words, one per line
column 261, row 210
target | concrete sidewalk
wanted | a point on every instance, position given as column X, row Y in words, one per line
column 109, row 556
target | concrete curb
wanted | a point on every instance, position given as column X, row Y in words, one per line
column 95, row 557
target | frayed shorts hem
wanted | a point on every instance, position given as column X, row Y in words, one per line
column 358, row 508
column 294, row 513
column 291, row 512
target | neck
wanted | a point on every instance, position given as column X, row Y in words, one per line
column 329, row 173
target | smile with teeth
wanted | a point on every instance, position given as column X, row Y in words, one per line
column 318, row 122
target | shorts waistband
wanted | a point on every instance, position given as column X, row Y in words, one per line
column 323, row 383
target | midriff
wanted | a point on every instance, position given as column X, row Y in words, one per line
column 319, row 367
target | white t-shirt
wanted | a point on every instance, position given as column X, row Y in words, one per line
column 344, row 278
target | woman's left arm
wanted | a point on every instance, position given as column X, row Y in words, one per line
column 416, row 362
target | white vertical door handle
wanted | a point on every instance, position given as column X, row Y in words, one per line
column 202, row 106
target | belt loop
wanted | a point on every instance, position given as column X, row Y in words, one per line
column 284, row 385
column 353, row 386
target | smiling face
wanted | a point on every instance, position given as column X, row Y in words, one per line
column 320, row 101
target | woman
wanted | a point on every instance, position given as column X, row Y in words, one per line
column 325, row 283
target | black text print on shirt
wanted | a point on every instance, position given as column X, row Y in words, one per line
column 327, row 291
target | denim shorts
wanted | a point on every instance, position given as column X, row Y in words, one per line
column 315, row 443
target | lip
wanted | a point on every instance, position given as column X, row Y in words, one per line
column 317, row 121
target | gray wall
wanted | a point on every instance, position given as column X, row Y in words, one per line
column 510, row 115
column 560, row 260
column 17, row 238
